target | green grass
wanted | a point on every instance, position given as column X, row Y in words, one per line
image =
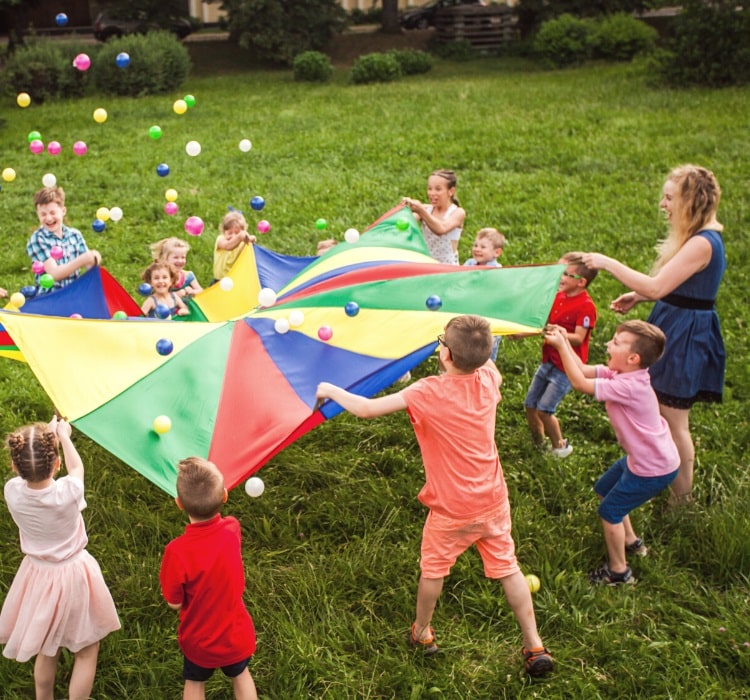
column 556, row 160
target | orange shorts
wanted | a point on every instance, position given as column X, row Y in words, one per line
column 444, row 539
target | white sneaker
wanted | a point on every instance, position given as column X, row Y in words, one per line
column 562, row 452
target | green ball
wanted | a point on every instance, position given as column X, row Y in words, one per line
column 320, row 224
column 34, row 136
column 189, row 100
column 154, row 132
column 47, row 281
column 119, row 315
column 402, row 224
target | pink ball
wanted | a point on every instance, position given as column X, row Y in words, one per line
column 54, row 148
column 82, row 61
column 325, row 333
column 263, row 226
column 194, row 225
column 80, row 148
column 56, row 252
column 36, row 147
column 171, row 208
column 76, row 316
column 37, row 267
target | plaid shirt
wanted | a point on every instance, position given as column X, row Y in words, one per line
column 40, row 246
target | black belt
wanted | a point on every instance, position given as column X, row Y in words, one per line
column 689, row 302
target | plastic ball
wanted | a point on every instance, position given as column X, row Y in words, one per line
column 281, row 325
column 164, row 346
column 61, row 19
column 122, row 59
column 17, row 299
column 263, row 226
column 9, row 174
column 145, row 289
column 296, row 318
column 54, row 148
column 170, row 195
column 254, row 487
column 100, row 115
column 171, row 208
column 179, row 107
column 119, row 315
column 29, row 291
column 245, row 145
column 257, row 203
column 192, row 148
column 23, row 99
column 115, row 214
column 162, row 170
column 34, row 136
column 226, row 284
column 75, row 316
column 47, row 281
column 49, row 180
column 321, row 224
column 82, row 62
column 56, row 252
column 534, row 582
column 36, row 147
column 189, row 100
column 351, row 235
column 266, row 297
column 194, row 225
column 325, row 333
column 433, row 302
column 102, row 213
column 162, row 311
column 154, row 132
column 37, row 267
column 80, row 148
column 402, row 224
column 162, row 424
column 351, row 308
column 98, row 225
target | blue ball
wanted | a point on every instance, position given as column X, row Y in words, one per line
column 145, row 289
column 434, row 302
column 162, row 170
column 351, row 308
column 61, row 19
column 257, row 203
column 164, row 346
column 122, row 60
column 29, row 291
column 162, row 311
column 98, row 225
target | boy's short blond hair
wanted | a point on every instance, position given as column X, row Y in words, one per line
column 200, row 487
column 496, row 239
column 161, row 249
column 649, row 342
column 469, row 340
column 49, row 195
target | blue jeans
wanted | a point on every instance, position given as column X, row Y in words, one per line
column 548, row 388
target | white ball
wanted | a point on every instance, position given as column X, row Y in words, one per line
column 49, row 180
column 115, row 214
column 296, row 318
column 266, row 297
column 193, row 148
column 351, row 235
column 254, row 487
column 245, row 145
column 281, row 325
column 226, row 283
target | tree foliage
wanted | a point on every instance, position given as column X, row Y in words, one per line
column 150, row 10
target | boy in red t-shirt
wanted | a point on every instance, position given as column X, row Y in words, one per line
column 573, row 310
column 203, row 577
column 464, row 484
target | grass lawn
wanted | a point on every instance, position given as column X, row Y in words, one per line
column 558, row 161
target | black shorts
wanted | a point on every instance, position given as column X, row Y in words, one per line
column 193, row 672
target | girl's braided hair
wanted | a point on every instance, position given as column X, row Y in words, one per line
column 33, row 451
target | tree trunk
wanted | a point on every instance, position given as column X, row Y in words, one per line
column 390, row 23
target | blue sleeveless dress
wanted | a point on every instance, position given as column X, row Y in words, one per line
column 692, row 367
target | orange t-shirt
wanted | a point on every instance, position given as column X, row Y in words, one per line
column 453, row 416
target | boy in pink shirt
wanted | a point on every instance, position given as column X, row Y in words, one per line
column 651, row 460
column 464, row 487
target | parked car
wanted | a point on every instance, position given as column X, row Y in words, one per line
column 107, row 26
column 424, row 16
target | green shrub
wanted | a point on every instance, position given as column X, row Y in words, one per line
column 159, row 63
column 45, row 70
column 620, row 37
column 565, row 41
column 412, row 62
column 375, row 68
column 312, row 67
column 458, row 50
column 373, row 15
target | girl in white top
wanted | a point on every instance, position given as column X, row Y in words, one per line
column 58, row 597
column 442, row 219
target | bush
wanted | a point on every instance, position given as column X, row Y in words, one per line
column 412, row 62
column 375, row 68
column 565, row 41
column 458, row 50
column 45, row 70
column 160, row 63
column 312, row 67
column 621, row 37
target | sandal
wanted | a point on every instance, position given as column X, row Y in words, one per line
column 538, row 662
column 428, row 646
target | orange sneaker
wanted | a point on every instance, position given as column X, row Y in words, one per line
column 538, row 661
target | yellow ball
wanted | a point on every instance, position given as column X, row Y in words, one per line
column 171, row 195
column 100, row 115
column 180, row 106
column 162, row 424
column 9, row 174
column 17, row 299
column 102, row 213
column 534, row 583
column 23, row 99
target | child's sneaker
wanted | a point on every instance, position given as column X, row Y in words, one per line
column 605, row 576
column 429, row 646
column 637, row 548
column 538, row 662
column 562, row 452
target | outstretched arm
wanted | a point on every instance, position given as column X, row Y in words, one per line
column 73, row 462
column 361, row 406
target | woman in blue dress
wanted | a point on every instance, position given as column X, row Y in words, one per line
column 684, row 283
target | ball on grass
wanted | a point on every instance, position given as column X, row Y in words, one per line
column 23, row 99
column 254, row 487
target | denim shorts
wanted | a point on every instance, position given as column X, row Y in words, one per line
column 622, row 491
column 193, row 672
column 548, row 387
